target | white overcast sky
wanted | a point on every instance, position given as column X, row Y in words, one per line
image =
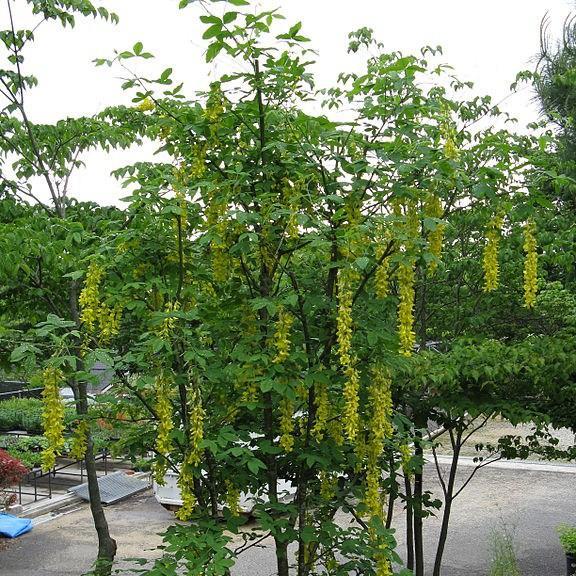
column 487, row 42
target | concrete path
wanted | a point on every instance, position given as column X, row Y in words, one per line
column 531, row 503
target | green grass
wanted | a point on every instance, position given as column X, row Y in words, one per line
column 503, row 554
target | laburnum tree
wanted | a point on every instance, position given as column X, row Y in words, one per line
column 267, row 297
column 278, row 275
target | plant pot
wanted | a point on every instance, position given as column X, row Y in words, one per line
column 570, row 564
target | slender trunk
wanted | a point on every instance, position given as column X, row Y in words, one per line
column 418, row 512
column 106, row 544
column 409, row 524
column 449, row 498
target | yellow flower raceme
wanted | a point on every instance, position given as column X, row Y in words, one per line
column 232, row 498
column 168, row 324
column 89, row 299
column 80, row 440
column 407, row 336
column 109, row 320
column 344, row 318
column 490, row 257
column 196, row 428
column 186, row 485
column 163, row 408
column 405, row 458
column 282, row 336
column 351, row 402
column 382, row 276
column 322, row 403
column 146, row 105
column 530, row 265
column 52, row 416
column 198, row 167
column 328, row 485
column 286, row 425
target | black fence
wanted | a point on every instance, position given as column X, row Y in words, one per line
column 41, row 484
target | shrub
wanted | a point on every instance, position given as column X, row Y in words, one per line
column 27, row 449
column 568, row 538
column 25, row 414
column 11, row 472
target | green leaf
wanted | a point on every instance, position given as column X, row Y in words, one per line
column 212, row 31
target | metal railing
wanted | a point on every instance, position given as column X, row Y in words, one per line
column 41, row 484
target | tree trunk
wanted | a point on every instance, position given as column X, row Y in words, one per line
column 106, row 544
column 418, row 518
column 409, row 524
column 449, row 498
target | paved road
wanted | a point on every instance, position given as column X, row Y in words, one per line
column 530, row 502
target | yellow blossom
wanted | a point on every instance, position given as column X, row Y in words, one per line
column 530, row 265
column 52, row 416
column 382, row 276
column 146, row 105
column 232, row 498
column 322, row 403
column 80, row 440
column 407, row 336
column 351, row 402
column 282, row 336
column 286, row 424
column 89, row 299
column 490, row 257
column 163, row 408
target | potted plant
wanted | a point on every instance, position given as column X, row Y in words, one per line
column 568, row 540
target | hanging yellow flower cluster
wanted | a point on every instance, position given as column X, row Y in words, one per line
column 146, row 105
column 405, row 458
column 52, row 416
column 196, row 428
column 328, row 485
column 282, row 336
column 198, row 165
column 448, row 132
column 344, row 334
column 80, row 440
column 286, row 425
column 380, row 427
column 433, row 209
column 291, row 197
column 186, row 485
column 92, row 312
column 90, row 297
column 490, row 257
column 168, row 323
column 163, row 408
column 193, row 455
column 109, row 320
column 530, row 265
column 406, row 280
column 322, row 404
column 216, row 218
column 382, row 276
column 232, row 498
column 214, row 107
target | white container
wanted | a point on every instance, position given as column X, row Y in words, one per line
column 169, row 494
